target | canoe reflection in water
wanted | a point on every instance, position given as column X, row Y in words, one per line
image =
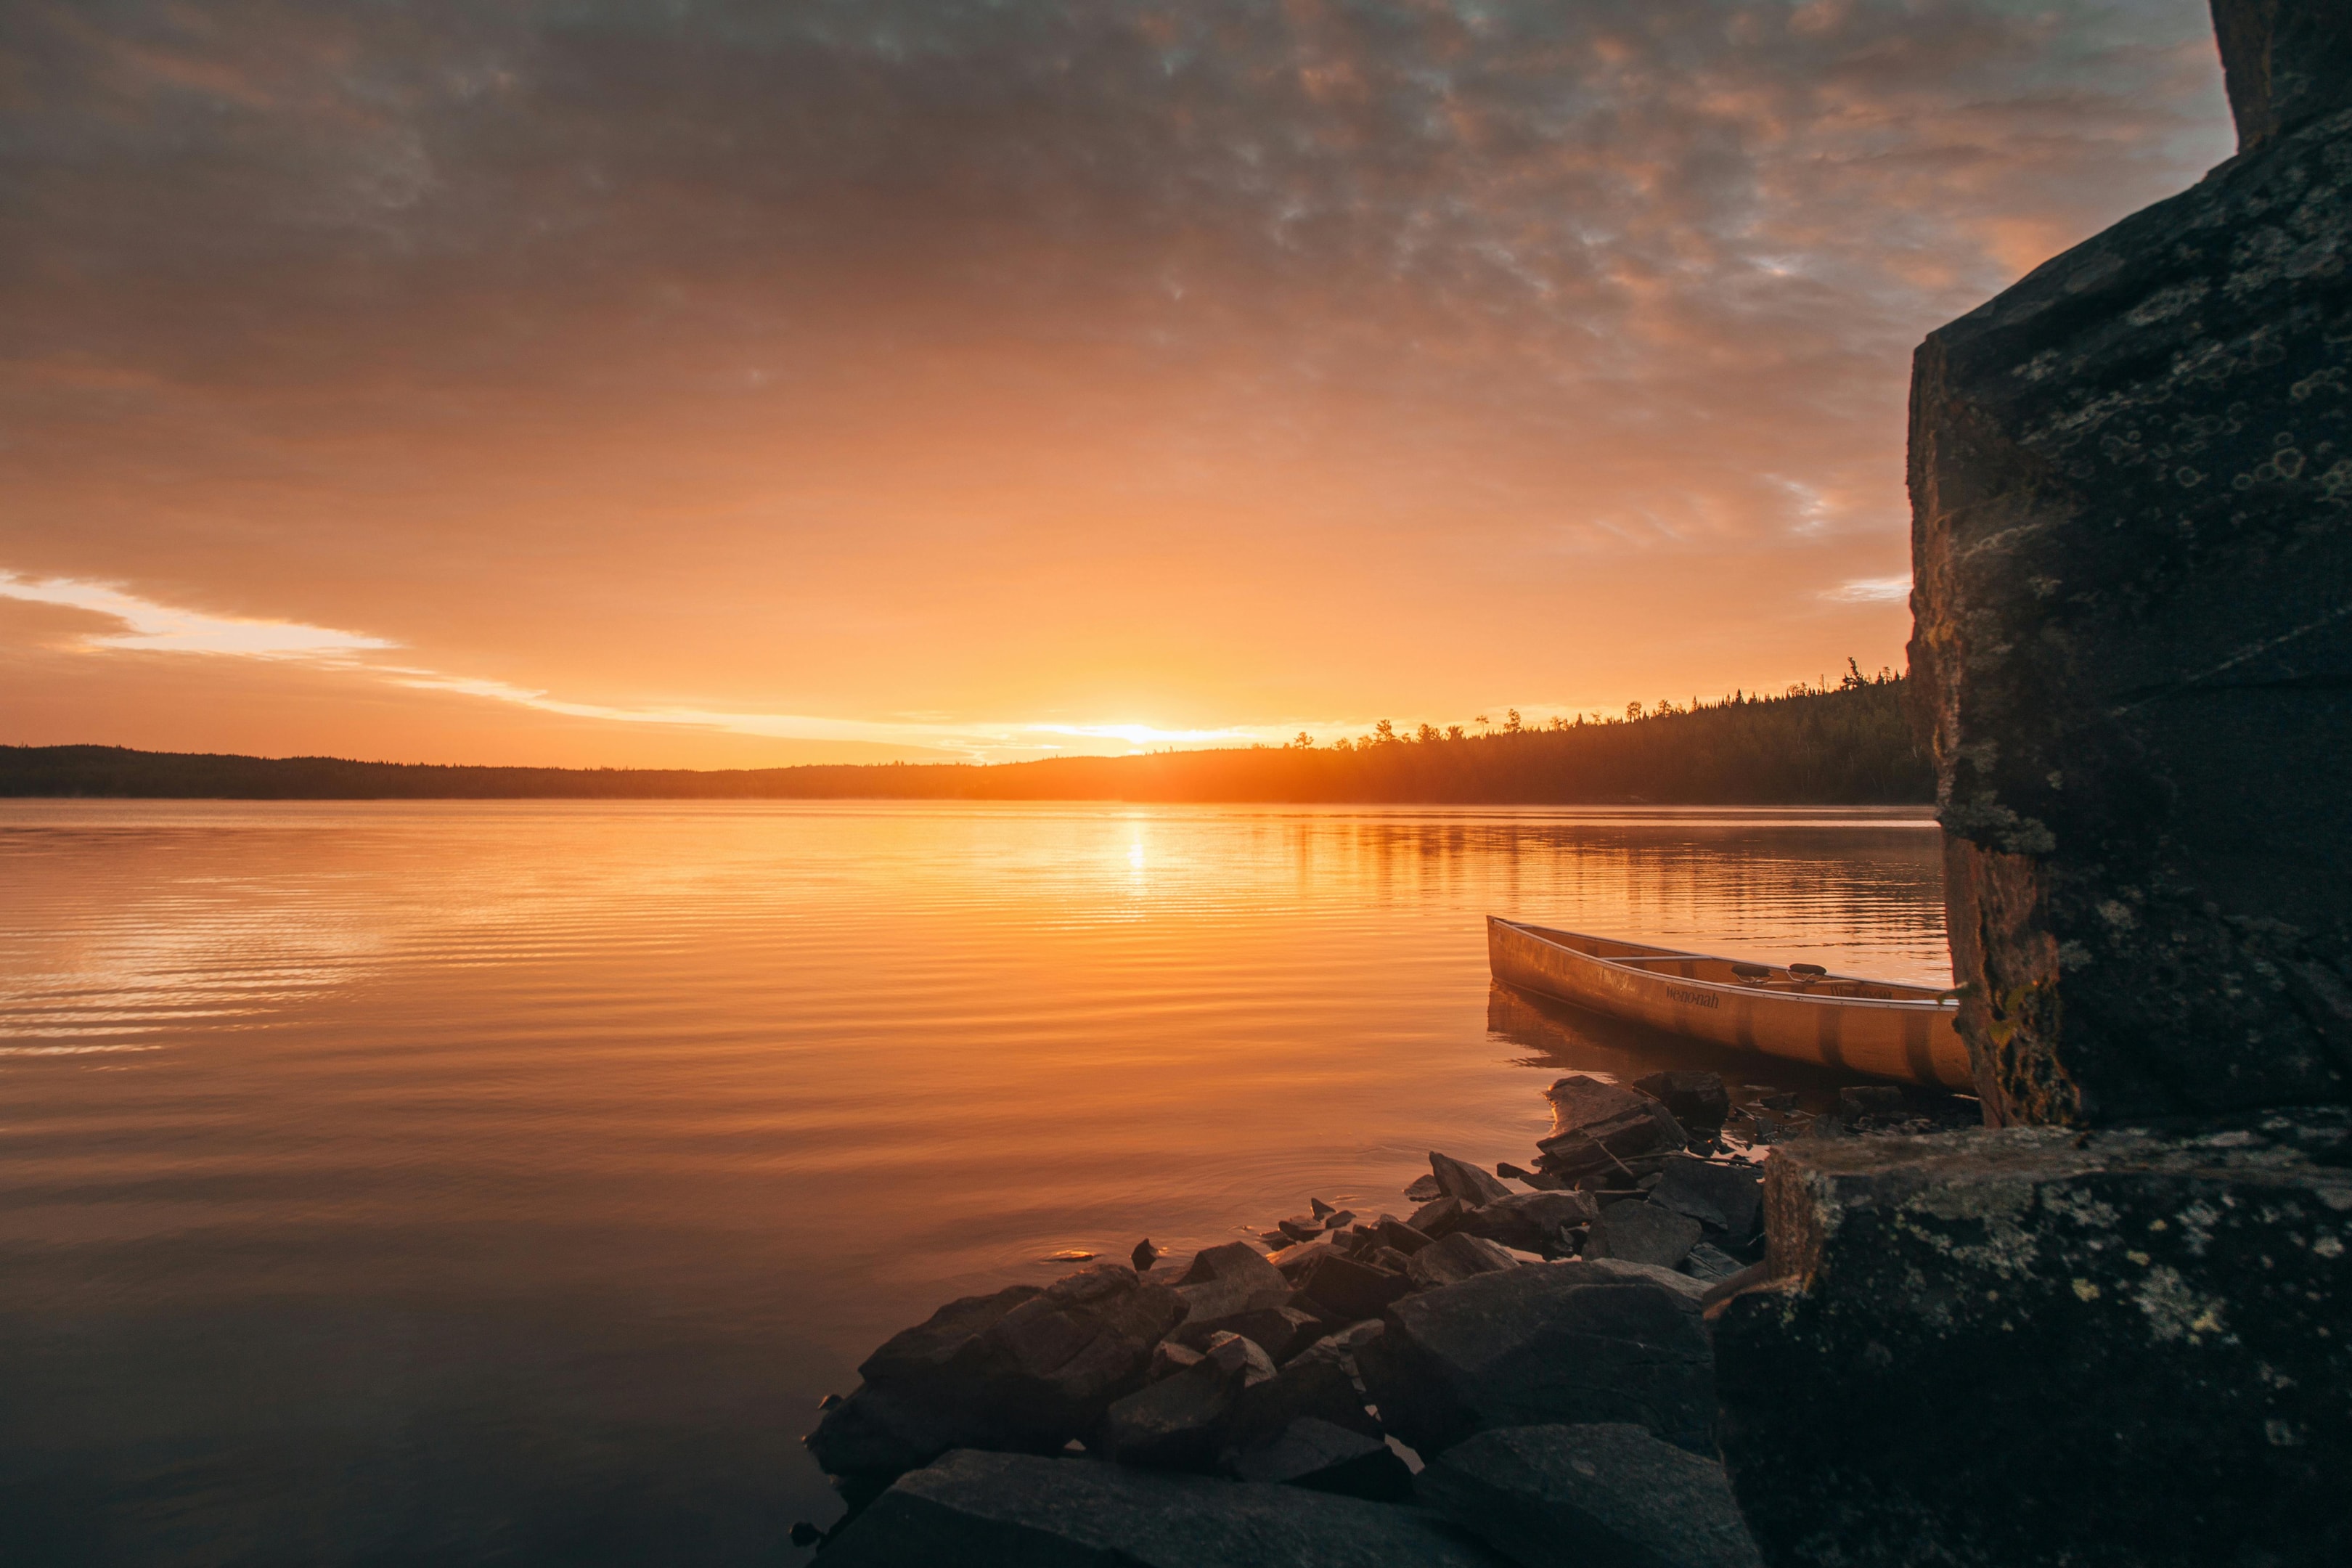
column 1799, row 1012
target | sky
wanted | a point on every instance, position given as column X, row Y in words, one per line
column 743, row 385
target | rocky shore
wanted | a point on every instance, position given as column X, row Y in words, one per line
column 2111, row 1326
column 1517, row 1366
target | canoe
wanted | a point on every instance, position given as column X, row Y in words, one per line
column 1801, row 1012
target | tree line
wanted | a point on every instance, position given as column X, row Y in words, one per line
column 1847, row 744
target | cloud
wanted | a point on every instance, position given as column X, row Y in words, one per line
column 1871, row 590
column 162, row 628
column 1184, row 366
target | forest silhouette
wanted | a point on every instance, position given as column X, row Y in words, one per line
column 1847, row 744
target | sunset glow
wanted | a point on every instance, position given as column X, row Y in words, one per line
column 726, row 386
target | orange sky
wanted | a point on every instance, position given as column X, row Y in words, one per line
column 736, row 385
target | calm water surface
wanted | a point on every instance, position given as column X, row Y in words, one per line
column 399, row 1183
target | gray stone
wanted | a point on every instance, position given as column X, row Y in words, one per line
column 1168, row 1358
column 1004, row 1510
column 1282, row 1331
column 1301, row 1227
column 1708, row 1263
column 1726, row 1197
column 1532, row 1222
column 1314, row 1453
column 1339, row 1221
column 1422, row 1189
column 1226, row 1281
column 1438, row 1217
column 1460, row 1179
column 1644, row 1233
column 1024, row 1369
column 1350, row 1288
column 1183, row 1422
column 1456, row 1257
column 1296, row 1259
column 2035, row 1347
column 1602, row 1496
column 1393, row 1232
column 2131, row 482
column 1540, row 1344
column 1313, row 1385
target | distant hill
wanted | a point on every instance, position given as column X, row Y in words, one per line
column 1846, row 746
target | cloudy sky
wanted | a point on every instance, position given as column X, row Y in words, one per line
column 737, row 384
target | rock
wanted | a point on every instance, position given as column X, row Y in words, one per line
column 1511, row 1172
column 1542, row 1344
column 1301, row 1227
column 1727, row 1199
column 1145, row 1255
column 1314, row 1453
column 1708, row 1263
column 1168, row 1358
column 1600, row 1128
column 1456, row 1257
column 1226, row 1282
column 1351, row 1288
column 1317, row 1386
column 1281, row 1331
column 1322, row 1210
column 2133, row 1345
column 1459, row 1179
column 1699, row 1100
column 912, row 1356
column 1437, row 1217
column 1860, row 1104
column 1398, row 1236
column 1182, row 1422
column 1674, row 1280
column 1600, row 1496
column 1340, row 1220
column 878, row 1432
column 1003, row 1511
column 1644, row 1233
column 1022, row 1369
column 2131, row 547
column 1294, row 1260
column 1423, row 1189
column 1532, row 1222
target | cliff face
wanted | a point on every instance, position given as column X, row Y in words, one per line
column 2131, row 479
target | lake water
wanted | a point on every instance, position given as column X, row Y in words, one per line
column 454, row 1183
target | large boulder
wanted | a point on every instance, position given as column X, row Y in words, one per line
column 1350, row 1288
column 1601, row 1496
column 1024, row 1369
column 1010, row 1511
column 1542, row 1344
column 1456, row 1257
column 2034, row 1347
column 2131, row 481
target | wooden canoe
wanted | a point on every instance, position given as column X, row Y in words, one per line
column 1875, row 1026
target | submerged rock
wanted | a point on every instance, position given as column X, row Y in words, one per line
column 1600, row 1129
column 1596, row 1496
column 1644, row 1233
column 1145, row 1255
column 1540, row 1344
column 1422, row 1189
column 1004, row 1510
